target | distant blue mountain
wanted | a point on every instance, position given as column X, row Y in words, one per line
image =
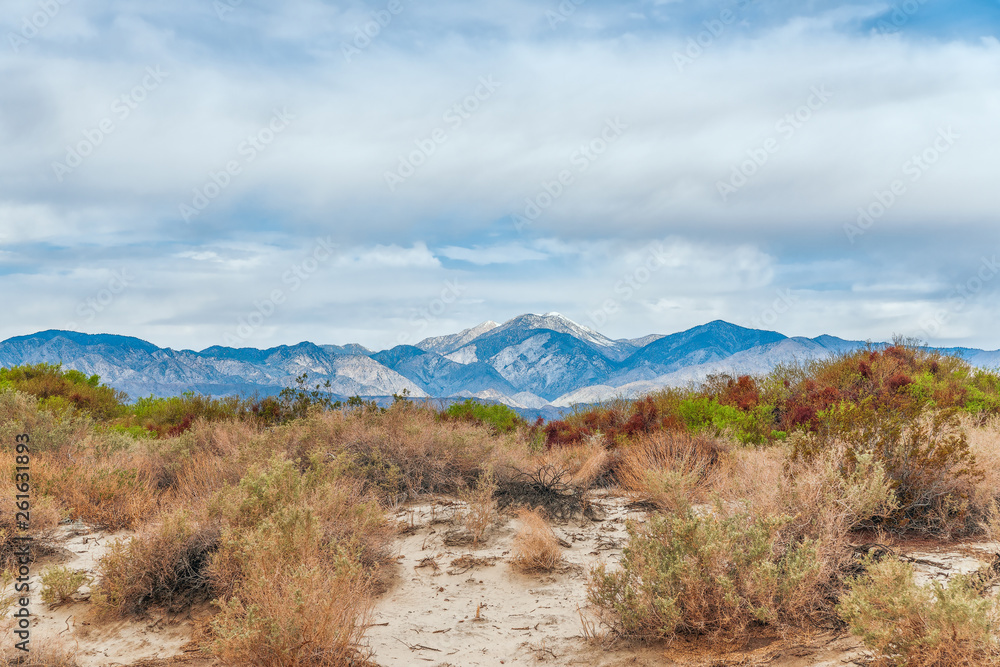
column 531, row 362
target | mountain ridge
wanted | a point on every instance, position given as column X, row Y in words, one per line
column 530, row 362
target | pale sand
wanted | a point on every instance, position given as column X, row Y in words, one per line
column 428, row 615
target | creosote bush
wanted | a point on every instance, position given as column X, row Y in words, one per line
column 937, row 625
column 694, row 575
column 60, row 584
column 927, row 456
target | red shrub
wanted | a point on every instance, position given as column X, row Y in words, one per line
column 742, row 393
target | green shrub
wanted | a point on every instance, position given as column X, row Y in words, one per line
column 58, row 390
column 685, row 574
column 62, row 432
column 753, row 426
column 500, row 417
column 920, row 626
column 60, row 584
column 925, row 454
column 169, row 417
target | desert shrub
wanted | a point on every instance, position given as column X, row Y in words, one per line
column 165, row 565
column 293, row 569
column 982, row 394
column 499, row 417
column 170, row 417
column 291, row 516
column 920, row 626
column 62, row 431
column 616, row 422
column 203, row 459
column 670, row 469
column 60, row 584
column 686, row 574
column 825, row 500
column 927, row 457
column 310, row 613
column 403, row 449
column 111, row 492
column 58, row 390
column 536, row 548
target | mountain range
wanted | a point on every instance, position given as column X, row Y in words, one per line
column 532, row 362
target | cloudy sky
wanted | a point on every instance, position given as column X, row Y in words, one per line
column 257, row 173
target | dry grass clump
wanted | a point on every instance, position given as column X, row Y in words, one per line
column 42, row 654
column 670, row 469
column 536, row 548
column 165, row 565
column 921, row 626
column 481, row 506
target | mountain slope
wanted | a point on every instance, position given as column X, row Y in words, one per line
column 710, row 342
column 439, row 376
column 528, row 362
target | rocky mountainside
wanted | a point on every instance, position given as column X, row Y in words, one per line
column 530, row 362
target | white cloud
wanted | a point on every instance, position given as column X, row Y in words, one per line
column 503, row 254
column 324, row 175
column 390, row 256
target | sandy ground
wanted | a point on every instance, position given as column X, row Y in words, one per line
column 96, row 643
column 450, row 602
column 464, row 605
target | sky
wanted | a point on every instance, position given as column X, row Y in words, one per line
column 253, row 174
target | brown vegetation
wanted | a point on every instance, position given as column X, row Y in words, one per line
column 536, row 548
column 757, row 489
